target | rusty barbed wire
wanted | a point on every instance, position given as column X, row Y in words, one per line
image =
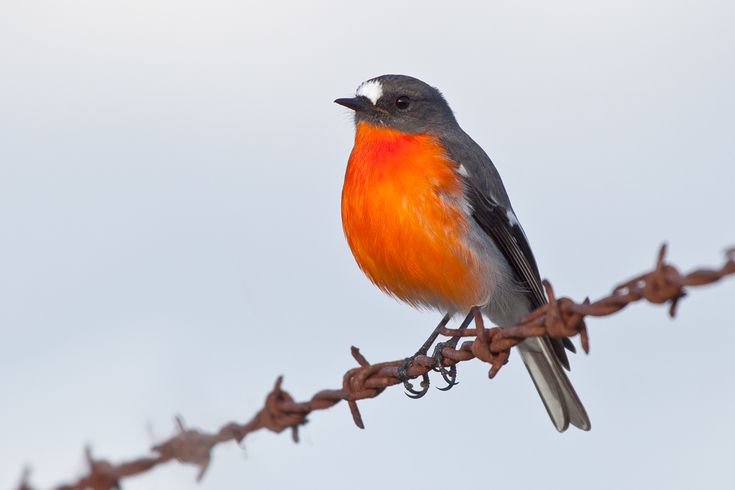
column 559, row 317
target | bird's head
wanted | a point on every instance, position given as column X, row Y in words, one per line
column 400, row 102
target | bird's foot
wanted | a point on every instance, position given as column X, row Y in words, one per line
column 449, row 373
column 402, row 376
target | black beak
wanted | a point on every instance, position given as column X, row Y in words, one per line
column 356, row 103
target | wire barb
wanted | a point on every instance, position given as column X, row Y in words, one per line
column 560, row 317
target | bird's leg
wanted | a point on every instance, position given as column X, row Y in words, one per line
column 450, row 374
column 402, row 375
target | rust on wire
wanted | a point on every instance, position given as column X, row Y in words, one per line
column 560, row 317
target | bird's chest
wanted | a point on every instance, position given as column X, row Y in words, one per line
column 403, row 216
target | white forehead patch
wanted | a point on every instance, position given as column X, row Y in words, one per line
column 372, row 89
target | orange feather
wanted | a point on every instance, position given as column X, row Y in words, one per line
column 403, row 219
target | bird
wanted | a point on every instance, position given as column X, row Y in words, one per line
column 428, row 220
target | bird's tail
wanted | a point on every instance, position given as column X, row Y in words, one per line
column 553, row 385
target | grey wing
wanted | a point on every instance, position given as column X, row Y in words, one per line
column 500, row 224
column 545, row 357
column 494, row 214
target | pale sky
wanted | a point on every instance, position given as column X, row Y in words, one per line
column 170, row 237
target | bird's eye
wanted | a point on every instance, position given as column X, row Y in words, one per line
column 403, row 102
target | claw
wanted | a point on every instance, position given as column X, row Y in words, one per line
column 450, row 377
column 411, row 392
column 448, row 374
column 401, row 374
column 416, row 394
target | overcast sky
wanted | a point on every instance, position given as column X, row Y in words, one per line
column 170, row 237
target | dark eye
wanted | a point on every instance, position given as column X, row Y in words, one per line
column 403, row 102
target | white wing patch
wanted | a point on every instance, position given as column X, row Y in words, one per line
column 512, row 218
column 372, row 89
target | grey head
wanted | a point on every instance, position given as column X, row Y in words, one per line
column 401, row 102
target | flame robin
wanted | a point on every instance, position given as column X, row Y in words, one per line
column 429, row 222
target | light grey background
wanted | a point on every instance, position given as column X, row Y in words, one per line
column 170, row 239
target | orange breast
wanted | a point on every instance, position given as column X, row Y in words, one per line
column 402, row 216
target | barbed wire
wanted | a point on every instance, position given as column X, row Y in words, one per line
column 560, row 317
